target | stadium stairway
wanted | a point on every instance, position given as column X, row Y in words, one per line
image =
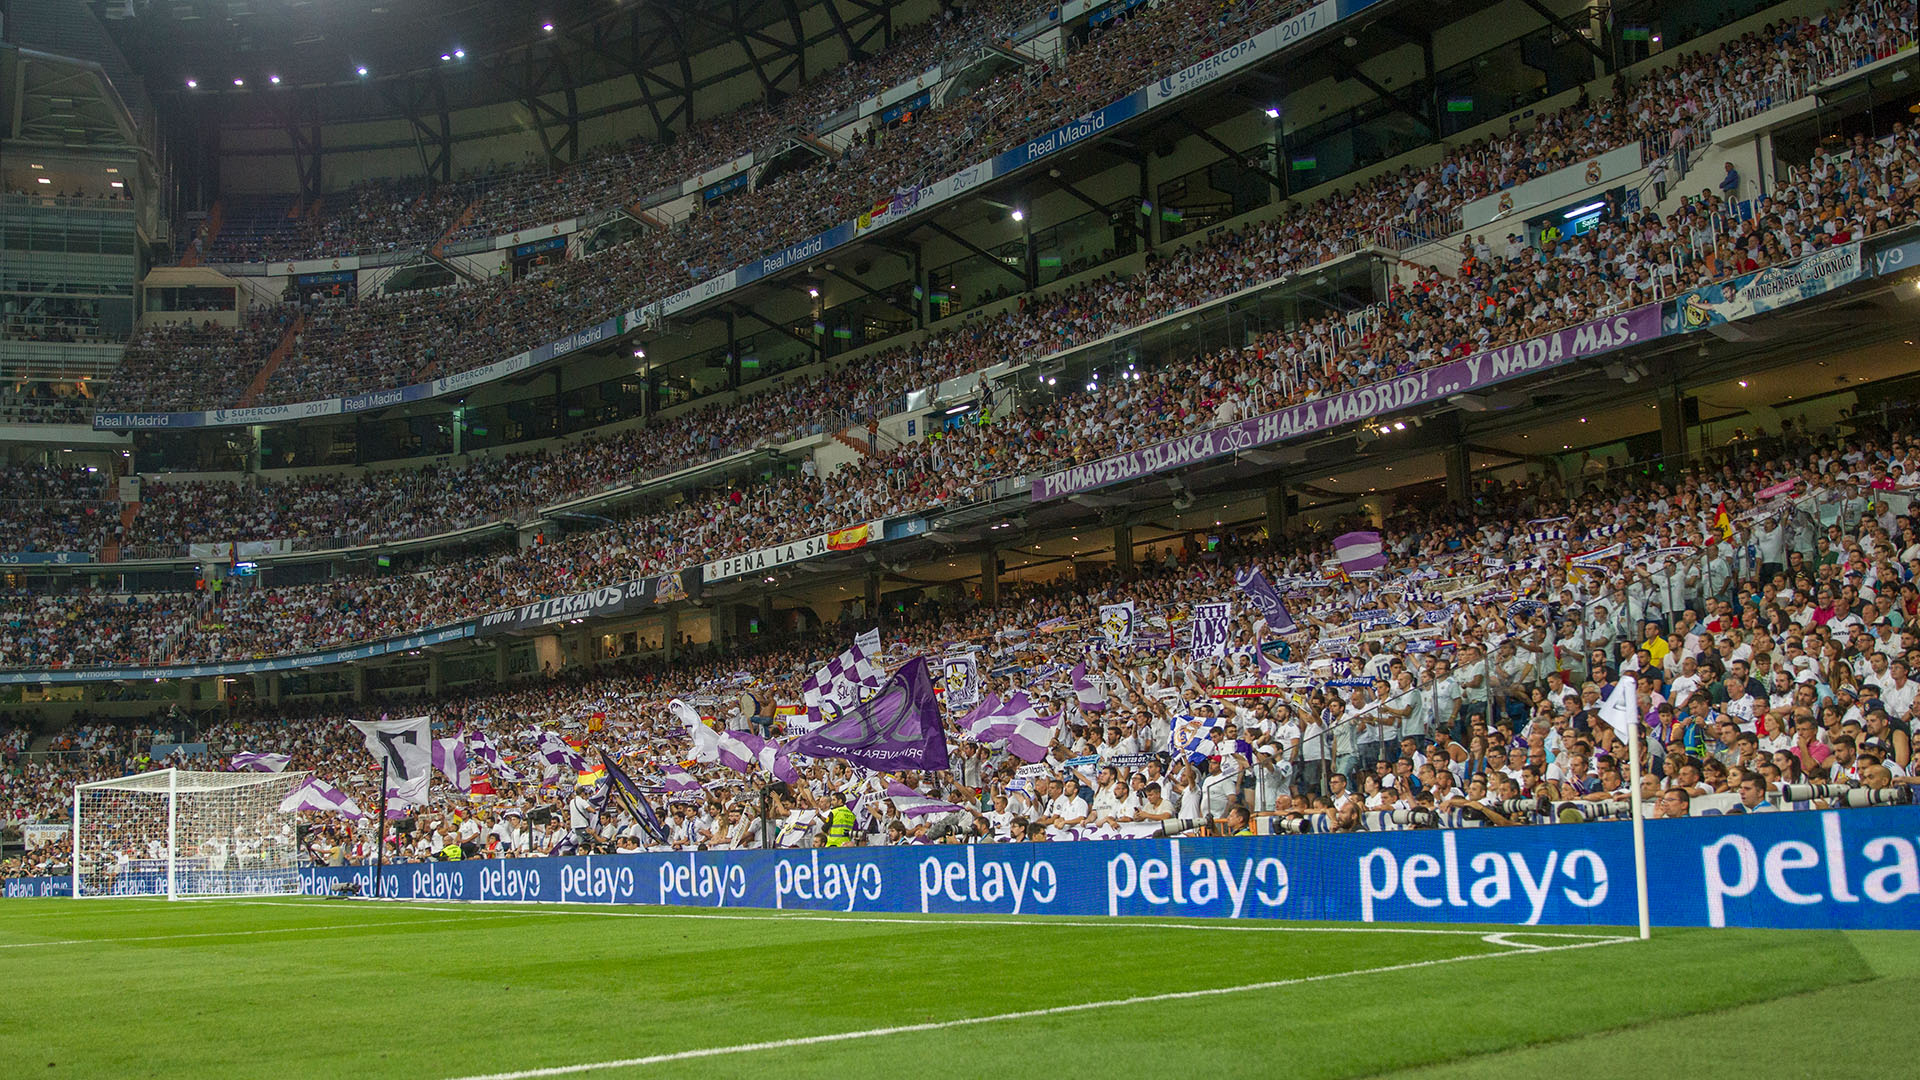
column 857, row 443
column 438, row 249
column 210, row 231
column 280, row 352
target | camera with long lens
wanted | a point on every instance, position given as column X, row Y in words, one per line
column 1519, row 808
column 1846, row 795
column 1573, row 813
column 1300, row 826
column 1418, row 817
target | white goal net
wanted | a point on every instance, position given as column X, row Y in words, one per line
column 177, row 833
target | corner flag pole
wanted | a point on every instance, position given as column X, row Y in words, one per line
column 1639, row 829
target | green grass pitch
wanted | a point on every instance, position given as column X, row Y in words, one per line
column 295, row 988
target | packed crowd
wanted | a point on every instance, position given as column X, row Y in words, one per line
column 173, row 366
column 1766, row 606
column 396, row 340
column 1499, row 297
column 56, row 508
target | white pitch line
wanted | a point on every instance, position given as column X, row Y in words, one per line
column 1025, row 1014
column 987, row 921
column 249, row 933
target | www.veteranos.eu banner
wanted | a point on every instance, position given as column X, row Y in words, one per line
column 1363, row 403
column 1850, row 868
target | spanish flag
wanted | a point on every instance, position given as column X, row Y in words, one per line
column 1722, row 522
column 590, row 777
column 848, row 539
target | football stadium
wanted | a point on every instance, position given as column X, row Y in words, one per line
column 843, row 538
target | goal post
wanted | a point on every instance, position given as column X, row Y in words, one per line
column 177, row 832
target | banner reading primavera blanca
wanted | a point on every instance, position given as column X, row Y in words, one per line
column 1363, row 403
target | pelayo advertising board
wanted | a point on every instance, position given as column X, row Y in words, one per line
column 1848, row 868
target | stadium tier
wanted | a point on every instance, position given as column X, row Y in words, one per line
column 868, row 486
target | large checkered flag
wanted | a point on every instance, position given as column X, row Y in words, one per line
column 847, row 680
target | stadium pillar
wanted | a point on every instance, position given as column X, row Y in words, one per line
column 990, row 578
column 1276, row 511
column 273, row 690
column 1673, row 425
column 667, row 643
column 359, row 680
column 434, row 679
column 500, row 661
column 873, row 596
column 1459, row 473
column 1123, row 548
column 766, row 613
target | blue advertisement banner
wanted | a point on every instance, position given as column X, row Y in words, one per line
column 54, row 676
column 1843, row 868
column 44, row 558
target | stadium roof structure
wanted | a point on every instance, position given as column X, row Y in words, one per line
column 474, row 52
column 58, row 102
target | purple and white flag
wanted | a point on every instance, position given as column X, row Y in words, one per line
column 319, row 796
column 743, row 752
column 558, row 755
column 450, row 757
column 248, row 761
column 1091, row 698
column 482, row 746
column 1253, row 582
column 844, row 682
column 1359, row 551
column 897, row 728
column 911, row 803
column 1014, row 725
column 678, row 780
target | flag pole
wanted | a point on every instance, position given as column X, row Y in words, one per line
column 380, row 846
column 1639, row 829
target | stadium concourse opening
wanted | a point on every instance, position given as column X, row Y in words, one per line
column 636, row 539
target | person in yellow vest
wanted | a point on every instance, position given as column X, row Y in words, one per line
column 451, row 853
column 840, row 821
column 1238, row 822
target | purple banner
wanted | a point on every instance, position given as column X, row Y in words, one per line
column 1473, row 373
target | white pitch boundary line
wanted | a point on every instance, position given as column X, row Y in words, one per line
column 251, row 933
column 1025, row 1014
column 988, row 921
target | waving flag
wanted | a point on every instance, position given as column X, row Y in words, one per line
column 1359, row 551
column 247, row 761
column 912, row 803
column 318, row 796
column 1117, row 623
column 1253, row 582
column 1621, row 710
column 678, row 780
column 624, row 791
column 1091, row 698
column 897, row 728
column 482, row 746
column 845, row 680
column 558, row 755
column 1015, row 726
column 450, row 757
column 403, row 746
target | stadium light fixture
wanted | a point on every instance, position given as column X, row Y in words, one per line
column 1273, row 112
column 361, row 71
column 274, row 79
column 1743, row 384
column 446, row 57
column 813, row 291
column 459, row 54
column 548, row 27
column 1019, row 214
column 239, row 82
column 193, row 84
column 46, row 180
column 639, row 353
column 1578, row 210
